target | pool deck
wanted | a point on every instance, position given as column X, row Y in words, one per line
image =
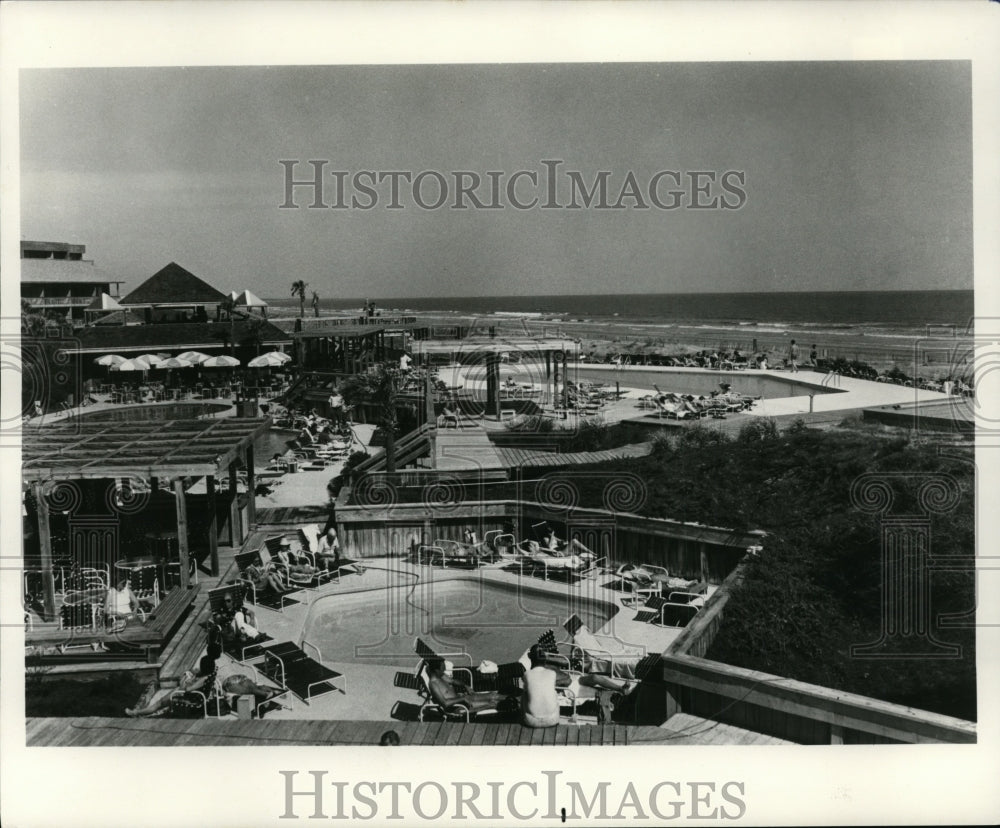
column 370, row 694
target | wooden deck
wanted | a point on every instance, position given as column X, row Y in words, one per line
column 466, row 450
column 517, row 458
column 682, row 729
column 80, row 732
column 283, row 516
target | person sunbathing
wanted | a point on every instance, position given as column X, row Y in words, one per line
column 447, row 692
column 193, row 685
column 264, row 578
column 297, row 565
column 242, row 685
column 237, row 619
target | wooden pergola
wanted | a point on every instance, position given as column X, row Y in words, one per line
column 491, row 351
column 178, row 451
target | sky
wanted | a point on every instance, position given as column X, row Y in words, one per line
column 856, row 175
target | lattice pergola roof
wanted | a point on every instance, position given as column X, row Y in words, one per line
column 154, row 448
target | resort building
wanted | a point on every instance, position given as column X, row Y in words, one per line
column 174, row 294
column 56, row 278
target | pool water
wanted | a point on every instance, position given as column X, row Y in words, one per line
column 140, row 413
column 487, row 620
column 705, row 382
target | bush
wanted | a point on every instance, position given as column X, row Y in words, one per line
column 758, row 430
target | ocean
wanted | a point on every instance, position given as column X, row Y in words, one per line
column 870, row 312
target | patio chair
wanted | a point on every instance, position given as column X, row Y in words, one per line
column 602, row 653
column 80, row 619
column 639, row 580
column 289, row 666
column 506, row 677
column 261, row 598
column 145, row 584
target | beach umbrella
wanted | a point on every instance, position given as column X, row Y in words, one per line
column 220, row 362
column 109, row 360
column 194, row 357
column 154, row 360
column 136, row 364
column 175, row 362
column 272, row 359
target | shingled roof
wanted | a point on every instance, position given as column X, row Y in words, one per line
column 173, row 285
column 183, row 336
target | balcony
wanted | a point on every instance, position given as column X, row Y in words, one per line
column 59, row 301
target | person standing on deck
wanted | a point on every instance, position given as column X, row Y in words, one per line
column 793, row 357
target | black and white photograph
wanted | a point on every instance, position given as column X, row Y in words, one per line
column 489, row 396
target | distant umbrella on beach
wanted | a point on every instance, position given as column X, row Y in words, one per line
column 154, row 360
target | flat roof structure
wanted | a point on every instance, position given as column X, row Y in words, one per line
column 152, row 448
column 172, row 451
column 494, row 345
column 180, row 336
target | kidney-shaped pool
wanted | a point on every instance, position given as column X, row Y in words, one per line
column 486, row 619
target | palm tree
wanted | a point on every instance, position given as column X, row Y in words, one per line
column 299, row 289
column 316, row 304
column 381, row 389
column 229, row 338
column 254, row 333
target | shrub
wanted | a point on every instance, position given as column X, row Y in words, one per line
column 758, row 430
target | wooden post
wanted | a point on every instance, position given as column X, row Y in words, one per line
column 836, row 734
column 565, row 378
column 45, row 546
column 213, row 527
column 182, row 530
column 548, row 378
column 235, row 532
column 430, row 419
column 251, row 487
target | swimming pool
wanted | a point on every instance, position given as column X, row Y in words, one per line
column 704, row 382
column 167, row 411
column 487, row 620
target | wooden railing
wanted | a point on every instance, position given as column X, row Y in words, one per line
column 797, row 711
column 782, row 707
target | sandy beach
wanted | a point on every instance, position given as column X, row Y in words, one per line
column 933, row 354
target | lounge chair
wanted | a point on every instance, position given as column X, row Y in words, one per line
column 602, row 653
column 261, row 598
column 659, row 610
column 506, row 679
column 289, row 666
column 448, row 552
column 310, row 535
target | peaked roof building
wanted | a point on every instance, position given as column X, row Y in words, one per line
column 173, row 286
